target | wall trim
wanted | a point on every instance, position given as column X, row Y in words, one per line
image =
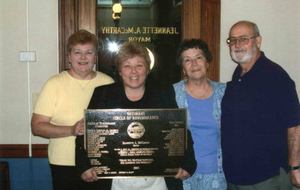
column 22, row 151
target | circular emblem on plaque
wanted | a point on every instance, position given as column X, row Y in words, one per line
column 136, row 130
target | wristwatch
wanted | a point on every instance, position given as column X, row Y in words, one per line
column 293, row 167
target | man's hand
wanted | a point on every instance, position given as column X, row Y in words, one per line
column 89, row 175
column 295, row 177
column 294, row 153
column 182, row 174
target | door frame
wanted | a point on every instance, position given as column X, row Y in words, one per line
column 200, row 19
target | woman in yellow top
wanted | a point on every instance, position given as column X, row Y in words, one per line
column 60, row 108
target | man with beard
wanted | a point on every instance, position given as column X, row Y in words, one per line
column 260, row 118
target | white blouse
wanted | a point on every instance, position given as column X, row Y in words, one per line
column 150, row 183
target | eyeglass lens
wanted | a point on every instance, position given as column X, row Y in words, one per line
column 242, row 40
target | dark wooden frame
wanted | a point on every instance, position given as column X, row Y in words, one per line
column 74, row 15
column 4, row 176
column 201, row 19
column 22, row 151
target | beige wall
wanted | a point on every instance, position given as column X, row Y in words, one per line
column 278, row 21
column 279, row 25
column 25, row 25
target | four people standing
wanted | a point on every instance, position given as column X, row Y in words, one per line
column 260, row 118
column 260, row 114
column 202, row 99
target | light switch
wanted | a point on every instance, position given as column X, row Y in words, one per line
column 26, row 56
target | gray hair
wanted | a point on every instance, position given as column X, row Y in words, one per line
column 254, row 26
column 256, row 30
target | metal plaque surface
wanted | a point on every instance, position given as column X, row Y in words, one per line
column 135, row 142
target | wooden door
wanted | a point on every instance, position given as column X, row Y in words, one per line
column 74, row 15
column 200, row 19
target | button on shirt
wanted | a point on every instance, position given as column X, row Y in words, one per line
column 257, row 110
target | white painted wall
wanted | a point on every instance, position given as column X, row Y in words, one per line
column 278, row 21
column 279, row 25
column 25, row 25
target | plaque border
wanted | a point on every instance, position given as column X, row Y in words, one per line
column 120, row 109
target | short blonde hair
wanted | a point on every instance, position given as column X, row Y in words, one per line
column 131, row 49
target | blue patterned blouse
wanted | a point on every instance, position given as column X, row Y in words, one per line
column 205, row 181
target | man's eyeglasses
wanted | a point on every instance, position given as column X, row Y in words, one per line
column 242, row 40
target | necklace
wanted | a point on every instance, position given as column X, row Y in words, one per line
column 197, row 95
column 83, row 87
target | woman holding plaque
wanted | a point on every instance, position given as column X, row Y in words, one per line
column 58, row 113
column 202, row 99
column 133, row 63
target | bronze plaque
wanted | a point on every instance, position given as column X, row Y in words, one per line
column 135, row 142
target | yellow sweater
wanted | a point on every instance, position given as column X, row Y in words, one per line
column 64, row 98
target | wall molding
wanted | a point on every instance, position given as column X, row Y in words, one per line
column 22, row 151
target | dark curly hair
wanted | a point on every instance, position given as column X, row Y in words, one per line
column 191, row 44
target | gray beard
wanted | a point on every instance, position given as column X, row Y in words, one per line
column 245, row 57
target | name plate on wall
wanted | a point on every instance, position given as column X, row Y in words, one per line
column 135, row 142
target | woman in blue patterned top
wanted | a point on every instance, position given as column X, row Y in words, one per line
column 202, row 99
